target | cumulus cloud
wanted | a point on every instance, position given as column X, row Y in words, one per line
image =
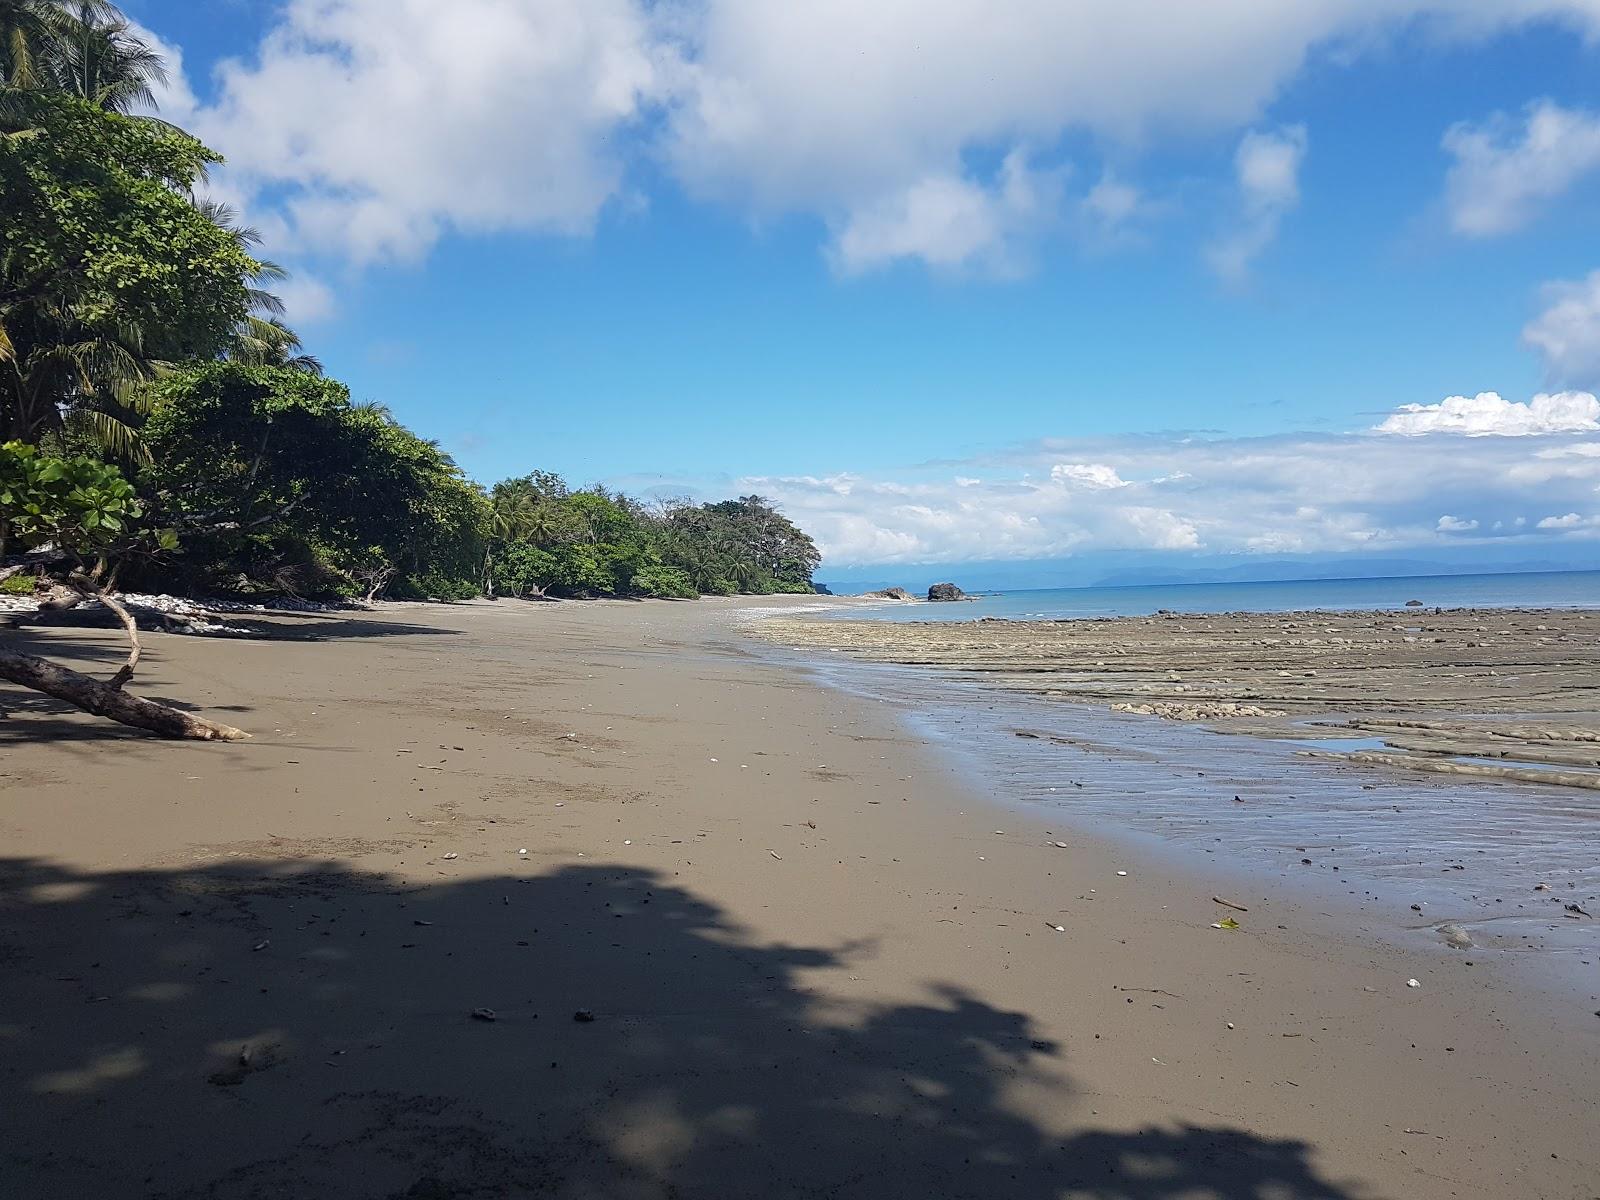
column 1488, row 415
column 948, row 221
column 376, row 125
column 1267, row 166
column 1567, row 333
column 306, row 299
column 1298, row 494
column 1570, row 520
column 1505, row 169
column 369, row 128
column 1096, row 476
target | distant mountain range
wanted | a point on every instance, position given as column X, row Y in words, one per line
column 1273, row 570
column 1135, row 569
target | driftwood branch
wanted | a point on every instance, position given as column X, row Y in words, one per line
column 124, row 672
column 104, row 700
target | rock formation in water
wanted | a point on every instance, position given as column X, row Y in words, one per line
column 946, row 591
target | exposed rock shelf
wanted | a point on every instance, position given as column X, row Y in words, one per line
column 1428, row 685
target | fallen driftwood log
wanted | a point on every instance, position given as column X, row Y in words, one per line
column 109, row 700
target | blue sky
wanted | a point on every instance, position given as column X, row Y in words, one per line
column 915, row 269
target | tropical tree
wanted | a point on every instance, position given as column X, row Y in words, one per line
column 26, row 27
column 93, row 53
column 298, row 489
column 72, row 519
column 108, row 270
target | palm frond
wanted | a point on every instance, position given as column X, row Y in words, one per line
column 112, row 437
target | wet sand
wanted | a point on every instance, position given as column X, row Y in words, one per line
column 817, row 961
column 1418, row 682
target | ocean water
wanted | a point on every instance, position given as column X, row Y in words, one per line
column 1375, row 842
column 1370, row 842
column 1555, row 589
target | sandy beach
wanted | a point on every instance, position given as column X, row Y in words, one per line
column 592, row 900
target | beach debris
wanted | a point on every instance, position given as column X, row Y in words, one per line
column 1150, row 991
column 1121, row 872
column 1229, row 904
column 1226, row 923
column 251, row 1059
column 262, row 944
column 775, row 855
column 1416, row 908
column 1455, row 937
column 1230, row 1024
column 1541, row 887
column 451, row 855
column 1412, row 983
column 1576, row 911
column 485, row 1014
column 625, row 842
column 524, row 850
column 1059, row 845
column 1057, row 928
column 422, row 923
column 583, row 1016
column 566, row 737
column 811, row 824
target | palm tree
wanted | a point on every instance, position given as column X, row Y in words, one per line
column 96, row 56
column 25, row 28
column 261, row 339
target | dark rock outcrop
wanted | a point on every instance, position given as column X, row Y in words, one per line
column 894, row 593
column 946, row 591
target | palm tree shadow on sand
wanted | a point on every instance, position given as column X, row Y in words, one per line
column 300, row 1028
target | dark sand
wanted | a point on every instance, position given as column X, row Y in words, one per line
column 818, row 964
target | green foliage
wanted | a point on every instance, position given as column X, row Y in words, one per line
column 107, row 266
column 303, row 483
column 526, row 569
column 74, row 504
column 664, row 583
column 595, row 542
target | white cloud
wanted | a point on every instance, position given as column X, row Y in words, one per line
column 369, row 128
column 306, row 299
column 376, row 125
column 1095, row 476
column 1296, row 494
column 1486, row 414
column 948, row 221
column 1267, row 166
column 1567, row 333
column 1571, row 520
column 1503, row 170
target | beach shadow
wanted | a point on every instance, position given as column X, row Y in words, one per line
column 300, row 1028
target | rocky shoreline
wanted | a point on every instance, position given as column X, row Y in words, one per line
column 1503, row 693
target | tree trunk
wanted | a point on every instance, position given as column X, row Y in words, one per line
column 104, row 700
